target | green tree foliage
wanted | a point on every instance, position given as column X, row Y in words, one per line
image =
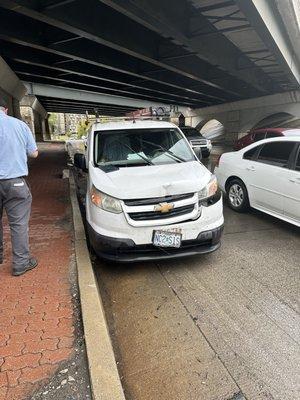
column 82, row 128
column 53, row 122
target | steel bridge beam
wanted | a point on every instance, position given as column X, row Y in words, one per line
column 38, row 89
column 23, row 74
column 215, row 49
column 21, row 55
column 92, row 57
column 126, row 42
column 266, row 19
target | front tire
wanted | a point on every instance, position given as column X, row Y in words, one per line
column 237, row 195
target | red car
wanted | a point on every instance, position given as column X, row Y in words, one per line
column 264, row 133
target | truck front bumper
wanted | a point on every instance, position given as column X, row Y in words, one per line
column 125, row 250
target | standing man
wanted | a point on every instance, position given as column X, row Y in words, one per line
column 16, row 144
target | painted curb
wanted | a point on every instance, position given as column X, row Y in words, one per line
column 105, row 380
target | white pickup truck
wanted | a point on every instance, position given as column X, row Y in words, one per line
column 148, row 195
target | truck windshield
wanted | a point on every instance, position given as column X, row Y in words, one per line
column 191, row 132
column 141, row 147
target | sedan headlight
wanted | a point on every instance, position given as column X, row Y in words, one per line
column 105, row 202
column 210, row 189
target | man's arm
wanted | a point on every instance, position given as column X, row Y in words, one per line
column 31, row 147
column 34, row 154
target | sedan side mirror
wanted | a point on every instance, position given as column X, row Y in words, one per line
column 198, row 153
column 79, row 162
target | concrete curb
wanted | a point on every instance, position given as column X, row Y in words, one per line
column 105, row 380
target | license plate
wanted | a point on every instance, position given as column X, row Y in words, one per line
column 166, row 239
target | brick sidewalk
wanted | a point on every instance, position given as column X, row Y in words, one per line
column 36, row 312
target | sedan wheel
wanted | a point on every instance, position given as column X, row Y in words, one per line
column 237, row 195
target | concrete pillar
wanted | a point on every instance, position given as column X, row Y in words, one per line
column 8, row 100
column 27, row 116
column 11, row 89
column 47, row 134
column 16, row 108
column 38, row 128
column 35, row 116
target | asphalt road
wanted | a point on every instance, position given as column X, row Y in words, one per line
column 213, row 327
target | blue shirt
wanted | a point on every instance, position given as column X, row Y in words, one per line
column 16, row 142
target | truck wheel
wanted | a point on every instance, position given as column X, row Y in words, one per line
column 237, row 195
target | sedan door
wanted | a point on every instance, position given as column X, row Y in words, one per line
column 267, row 174
column 291, row 202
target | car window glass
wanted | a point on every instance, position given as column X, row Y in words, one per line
column 271, row 134
column 259, row 136
column 297, row 167
column 191, row 132
column 276, row 153
column 135, row 146
column 250, row 153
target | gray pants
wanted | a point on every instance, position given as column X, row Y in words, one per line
column 15, row 198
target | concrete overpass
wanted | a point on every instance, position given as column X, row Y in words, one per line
column 240, row 116
column 189, row 53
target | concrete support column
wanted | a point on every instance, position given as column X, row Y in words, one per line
column 27, row 116
column 38, row 127
column 47, row 134
column 35, row 116
column 11, row 89
column 16, row 108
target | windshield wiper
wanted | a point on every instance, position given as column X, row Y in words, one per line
column 169, row 152
column 149, row 162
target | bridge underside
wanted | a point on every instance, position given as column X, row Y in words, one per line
column 54, row 104
column 205, row 58
column 190, row 53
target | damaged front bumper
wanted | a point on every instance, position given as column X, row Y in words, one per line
column 125, row 250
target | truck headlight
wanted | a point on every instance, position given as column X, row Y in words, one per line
column 209, row 190
column 105, row 202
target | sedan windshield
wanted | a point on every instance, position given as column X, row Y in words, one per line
column 124, row 148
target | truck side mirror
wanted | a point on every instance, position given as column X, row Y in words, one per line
column 198, row 153
column 79, row 162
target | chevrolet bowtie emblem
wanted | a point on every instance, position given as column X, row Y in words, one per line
column 164, row 207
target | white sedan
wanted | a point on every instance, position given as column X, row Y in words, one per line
column 265, row 176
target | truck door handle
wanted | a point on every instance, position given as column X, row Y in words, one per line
column 250, row 168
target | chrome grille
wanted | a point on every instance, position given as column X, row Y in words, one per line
column 156, row 200
column 143, row 212
column 155, row 215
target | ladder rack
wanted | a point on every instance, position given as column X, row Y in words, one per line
column 131, row 118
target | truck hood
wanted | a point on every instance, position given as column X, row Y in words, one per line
column 151, row 181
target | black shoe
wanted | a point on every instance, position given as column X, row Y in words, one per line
column 32, row 264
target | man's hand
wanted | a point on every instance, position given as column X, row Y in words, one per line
column 34, row 154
